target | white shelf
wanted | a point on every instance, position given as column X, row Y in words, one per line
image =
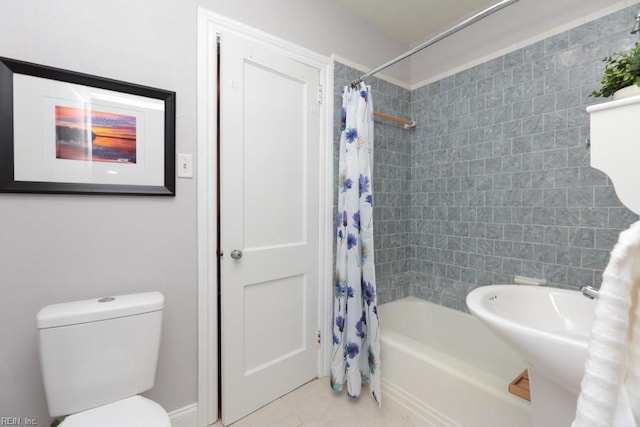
column 615, row 146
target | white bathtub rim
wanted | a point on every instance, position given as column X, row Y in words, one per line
column 393, row 325
column 419, row 376
column 490, row 383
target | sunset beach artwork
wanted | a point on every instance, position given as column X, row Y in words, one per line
column 94, row 136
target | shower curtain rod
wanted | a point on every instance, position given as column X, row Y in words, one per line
column 475, row 18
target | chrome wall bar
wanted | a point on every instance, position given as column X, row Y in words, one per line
column 473, row 19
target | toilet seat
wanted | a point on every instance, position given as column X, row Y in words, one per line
column 135, row 411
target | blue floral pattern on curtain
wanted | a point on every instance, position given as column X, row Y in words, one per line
column 356, row 345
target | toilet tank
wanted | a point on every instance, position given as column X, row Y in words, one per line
column 98, row 351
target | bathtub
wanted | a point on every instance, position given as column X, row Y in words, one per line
column 441, row 367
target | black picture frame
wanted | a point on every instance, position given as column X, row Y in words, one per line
column 27, row 119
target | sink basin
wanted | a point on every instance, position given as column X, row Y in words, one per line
column 550, row 329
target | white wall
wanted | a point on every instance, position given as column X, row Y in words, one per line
column 56, row 248
column 320, row 26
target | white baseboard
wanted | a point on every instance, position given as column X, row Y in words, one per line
column 185, row 417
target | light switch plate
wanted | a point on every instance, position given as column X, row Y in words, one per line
column 185, row 166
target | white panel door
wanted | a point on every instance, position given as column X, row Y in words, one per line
column 269, row 198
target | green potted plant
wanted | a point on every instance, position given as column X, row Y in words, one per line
column 622, row 70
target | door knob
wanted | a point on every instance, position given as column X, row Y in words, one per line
column 236, row 254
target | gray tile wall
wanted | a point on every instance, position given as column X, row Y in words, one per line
column 390, row 181
column 500, row 177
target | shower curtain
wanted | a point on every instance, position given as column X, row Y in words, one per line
column 356, row 346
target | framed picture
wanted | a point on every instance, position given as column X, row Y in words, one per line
column 67, row 132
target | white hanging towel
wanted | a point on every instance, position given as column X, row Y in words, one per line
column 610, row 394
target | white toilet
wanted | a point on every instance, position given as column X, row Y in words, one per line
column 97, row 355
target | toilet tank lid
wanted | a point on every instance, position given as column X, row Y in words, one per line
column 97, row 309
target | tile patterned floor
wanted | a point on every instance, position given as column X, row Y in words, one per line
column 315, row 404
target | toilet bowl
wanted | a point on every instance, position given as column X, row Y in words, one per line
column 97, row 356
column 135, row 411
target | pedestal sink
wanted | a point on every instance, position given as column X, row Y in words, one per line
column 550, row 329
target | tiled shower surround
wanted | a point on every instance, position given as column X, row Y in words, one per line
column 495, row 179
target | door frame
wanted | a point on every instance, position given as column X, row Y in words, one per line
column 211, row 29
